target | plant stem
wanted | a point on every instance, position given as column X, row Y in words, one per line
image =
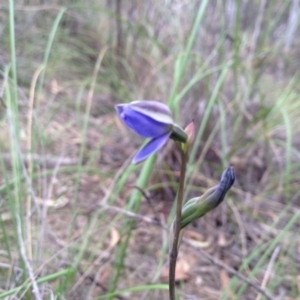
column 174, row 250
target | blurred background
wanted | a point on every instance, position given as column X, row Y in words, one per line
column 77, row 220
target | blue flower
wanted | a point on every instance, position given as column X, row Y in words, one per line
column 150, row 119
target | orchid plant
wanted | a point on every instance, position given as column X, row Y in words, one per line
column 152, row 119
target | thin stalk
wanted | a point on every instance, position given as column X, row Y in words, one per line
column 13, row 57
column 174, row 251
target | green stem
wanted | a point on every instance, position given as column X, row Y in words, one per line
column 174, row 250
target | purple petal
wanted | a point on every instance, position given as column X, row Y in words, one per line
column 140, row 123
column 154, row 110
column 226, row 182
column 151, row 147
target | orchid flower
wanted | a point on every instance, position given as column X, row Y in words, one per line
column 150, row 119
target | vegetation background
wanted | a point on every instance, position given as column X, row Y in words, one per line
column 77, row 220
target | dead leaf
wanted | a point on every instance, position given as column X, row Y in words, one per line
column 182, row 271
column 196, row 239
column 224, row 278
column 6, row 216
column 194, row 235
column 55, row 203
column 55, row 88
column 114, row 237
column 105, row 273
column 222, row 241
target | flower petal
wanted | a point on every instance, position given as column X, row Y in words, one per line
column 151, row 147
column 140, row 123
column 154, row 110
column 226, row 182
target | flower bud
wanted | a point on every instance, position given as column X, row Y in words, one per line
column 197, row 207
column 190, row 132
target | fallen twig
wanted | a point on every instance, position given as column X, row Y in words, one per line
column 49, row 161
column 30, row 273
column 269, row 269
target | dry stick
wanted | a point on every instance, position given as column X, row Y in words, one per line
column 49, row 161
column 292, row 24
column 148, row 199
column 269, row 270
column 241, row 226
column 29, row 141
column 30, row 273
column 131, row 215
column 25, row 173
column 258, row 27
column 119, row 49
column 44, row 212
column 174, row 251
